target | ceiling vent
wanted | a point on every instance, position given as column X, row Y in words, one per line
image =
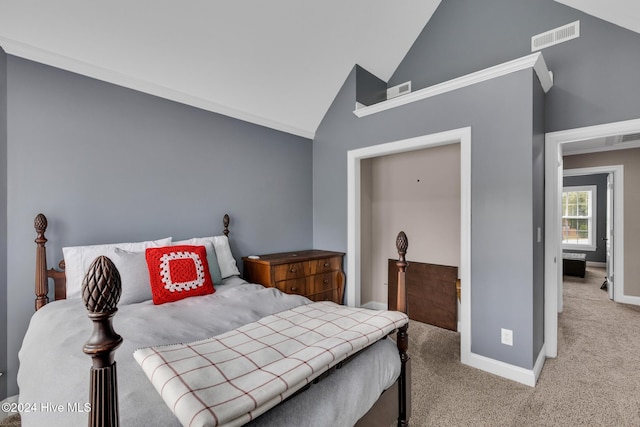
column 401, row 89
column 630, row 137
column 555, row 36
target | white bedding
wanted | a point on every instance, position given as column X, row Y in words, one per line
column 54, row 372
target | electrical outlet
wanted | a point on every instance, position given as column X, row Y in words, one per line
column 507, row 336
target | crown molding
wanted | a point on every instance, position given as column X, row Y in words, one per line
column 47, row 57
column 534, row 60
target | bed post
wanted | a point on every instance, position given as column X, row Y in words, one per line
column 101, row 290
column 404, row 397
column 42, row 285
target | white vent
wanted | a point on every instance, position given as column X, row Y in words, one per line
column 630, row 137
column 555, row 36
column 398, row 90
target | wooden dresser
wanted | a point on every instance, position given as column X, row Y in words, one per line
column 316, row 274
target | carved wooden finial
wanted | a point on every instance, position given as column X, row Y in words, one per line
column 402, row 244
column 225, row 222
column 101, row 289
column 42, row 285
column 40, row 224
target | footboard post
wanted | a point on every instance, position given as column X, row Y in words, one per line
column 404, row 397
column 101, row 289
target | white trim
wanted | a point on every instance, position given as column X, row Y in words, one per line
column 553, row 179
column 354, row 157
column 375, row 305
column 596, row 264
column 628, row 299
column 53, row 59
column 512, row 372
column 534, row 60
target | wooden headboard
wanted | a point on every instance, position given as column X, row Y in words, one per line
column 43, row 274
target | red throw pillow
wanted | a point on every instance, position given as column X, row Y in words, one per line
column 178, row 272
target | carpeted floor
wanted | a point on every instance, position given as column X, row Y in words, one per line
column 595, row 381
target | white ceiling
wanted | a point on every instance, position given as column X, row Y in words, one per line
column 276, row 63
column 596, row 145
column 625, row 13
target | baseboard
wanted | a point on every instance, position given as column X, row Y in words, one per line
column 596, row 264
column 375, row 305
column 627, row 299
column 505, row 370
column 537, row 368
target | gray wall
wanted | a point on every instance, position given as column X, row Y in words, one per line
column 108, row 164
column 600, row 181
column 369, row 88
column 502, row 199
column 538, row 219
column 596, row 75
column 3, row 222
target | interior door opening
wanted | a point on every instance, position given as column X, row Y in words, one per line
column 598, row 248
column 417, row 192
column 595, row 138
column 354, row 227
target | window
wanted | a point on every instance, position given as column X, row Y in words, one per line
column 579, row 218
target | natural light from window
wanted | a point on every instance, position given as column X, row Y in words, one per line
column 578, row 217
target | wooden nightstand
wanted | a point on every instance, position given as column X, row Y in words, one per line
column 316, row 274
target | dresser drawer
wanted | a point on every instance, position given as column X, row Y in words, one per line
column 323, row 282
column 325, row 296
column 327, row 264
column 293, row 286
column 290, row 271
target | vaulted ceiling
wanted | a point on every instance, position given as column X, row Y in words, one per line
column 276, row 63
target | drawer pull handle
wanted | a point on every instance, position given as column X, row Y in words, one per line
column 293, row 289
column 326, row 264
column 293, row 270
column 325, row 281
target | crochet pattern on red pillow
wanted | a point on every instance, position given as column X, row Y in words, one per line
column 178, row 272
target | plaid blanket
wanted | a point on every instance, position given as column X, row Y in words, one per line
column 232, row 378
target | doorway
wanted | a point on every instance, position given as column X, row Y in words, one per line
column 354, row 240
column 555, row 142
column 609, row 224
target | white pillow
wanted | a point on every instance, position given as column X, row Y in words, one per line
column 226, row 260
column 134, row 275
column 212, row 260
column 77, row 260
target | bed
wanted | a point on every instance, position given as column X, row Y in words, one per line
column 60, row 385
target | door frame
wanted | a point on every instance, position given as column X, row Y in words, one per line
column 460, row 136
column 553, row 232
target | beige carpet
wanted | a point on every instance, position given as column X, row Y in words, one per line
column 595, row 381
